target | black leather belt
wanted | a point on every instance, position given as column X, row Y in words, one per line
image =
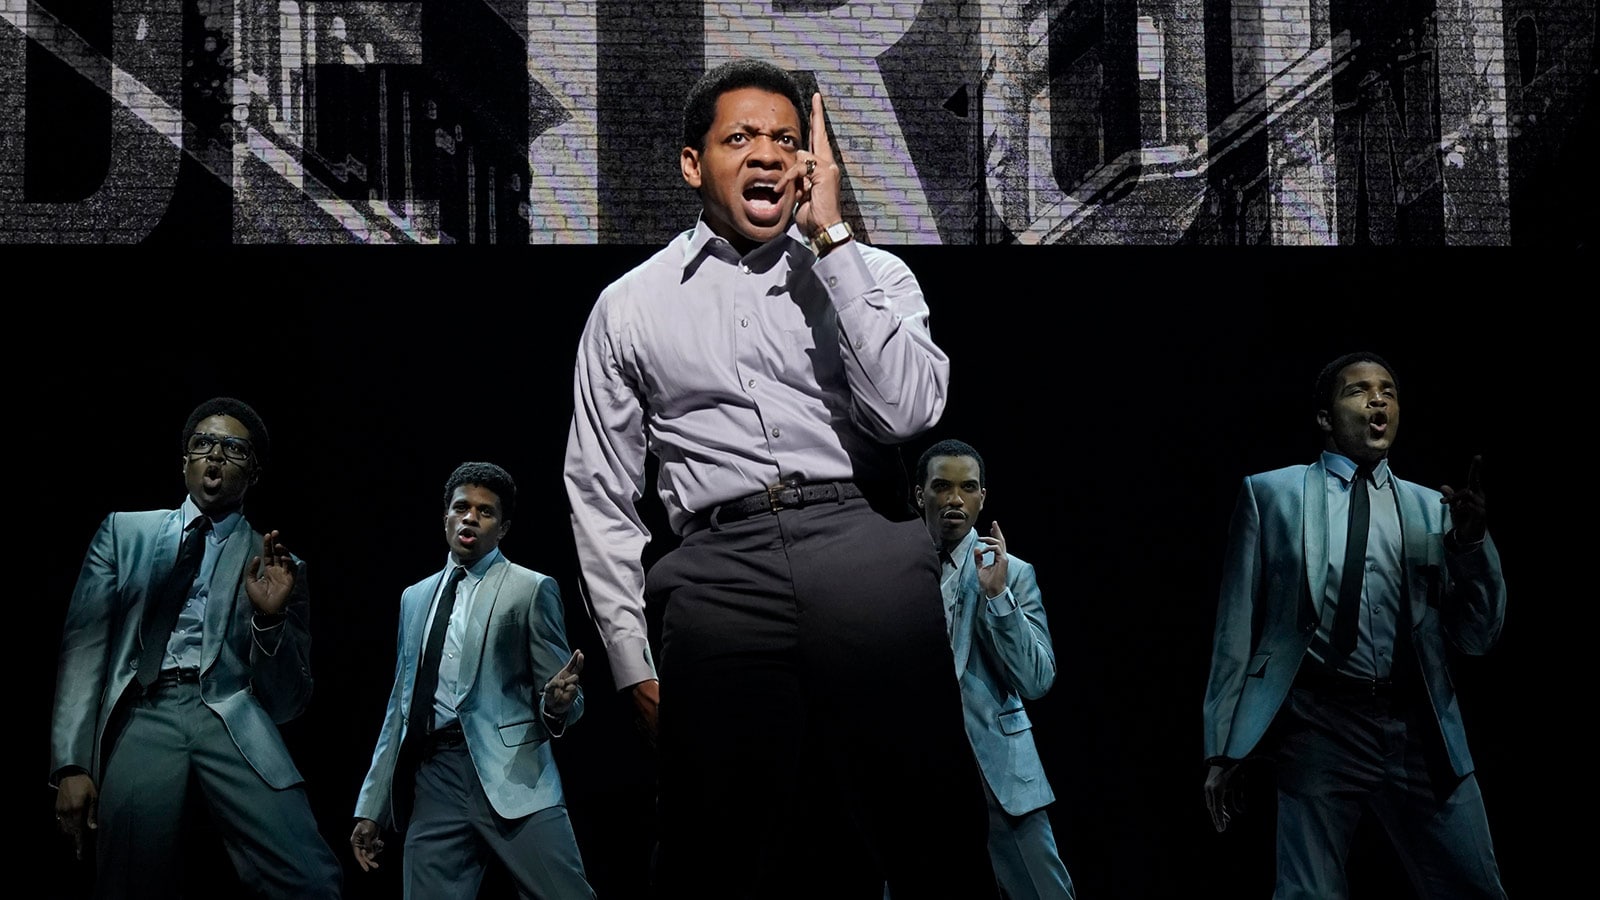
column 1320, row 679
column 173, row 677
column 786, row 496
column 449, row 736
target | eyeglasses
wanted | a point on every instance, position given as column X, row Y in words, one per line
column 236, row 449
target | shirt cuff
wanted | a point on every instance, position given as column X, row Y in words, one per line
column 845, row 275
column 64, row 772
column 274, row 626
column 631, row 662
column 556, row 725
column 1003, row 605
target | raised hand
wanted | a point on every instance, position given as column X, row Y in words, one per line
column 270, row 578
column 1467, row 508
column 992, row 578
column 562, row 688
column 818, row 175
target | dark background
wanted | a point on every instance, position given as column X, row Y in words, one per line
column 1119, row 395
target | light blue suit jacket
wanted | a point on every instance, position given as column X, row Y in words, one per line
column 249, row 688
column 515, row 642
column 1274, row 586
column 1001, row 660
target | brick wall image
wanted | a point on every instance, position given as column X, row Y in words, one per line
column 1281, row 122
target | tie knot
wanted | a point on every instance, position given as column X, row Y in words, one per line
column 194, row 535
column 1364, row 471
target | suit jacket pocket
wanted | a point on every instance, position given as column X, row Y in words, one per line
column 518, row 733
column 1014, row 721
column 1258, row 665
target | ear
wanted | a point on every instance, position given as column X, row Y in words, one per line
column 505, row 529
column 689, row 162
column 1324, row 421
column 920, row 502
column 983, row 494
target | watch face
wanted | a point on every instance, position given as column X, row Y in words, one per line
column 839, row 232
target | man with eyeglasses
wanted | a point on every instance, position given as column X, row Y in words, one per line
column 186, row 642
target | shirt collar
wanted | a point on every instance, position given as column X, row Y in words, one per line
column 220, row 528
column 1345, row 467
column 963, row 551
column 477, row 570
column 701, row 239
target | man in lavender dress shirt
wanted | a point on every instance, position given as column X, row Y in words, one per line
column 807, row 722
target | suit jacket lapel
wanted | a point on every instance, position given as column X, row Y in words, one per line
column 416, row 625
column 968, row 598
column 164, row 555
column 1314, row 533
column 226, row 577
column 477, row 630
column 1414, row 539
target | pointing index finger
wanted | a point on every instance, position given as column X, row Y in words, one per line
column 819, row 132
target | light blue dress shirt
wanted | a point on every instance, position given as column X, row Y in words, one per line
column 1377, row 626
column 444, row 696
column 188, row 635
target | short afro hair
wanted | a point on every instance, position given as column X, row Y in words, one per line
column 260, row 443
column 486, row 475
column 700, row 109
column 950, row 447
column 1322, row 394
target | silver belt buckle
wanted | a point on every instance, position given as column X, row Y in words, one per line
column 776, row 494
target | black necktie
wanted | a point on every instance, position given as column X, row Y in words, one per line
column 161, row 610
column 1347, row 616
column 420, row 721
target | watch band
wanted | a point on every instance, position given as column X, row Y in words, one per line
column 827, row 238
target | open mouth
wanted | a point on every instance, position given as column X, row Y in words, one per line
column 212, row 479
column 466, row 538
column 953, row 515
column 1378, row 425
column 763, row 204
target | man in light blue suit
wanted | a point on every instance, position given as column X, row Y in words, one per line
column 1003, row 655
column 483, row 683
column 1342, row 591
column 186, row 642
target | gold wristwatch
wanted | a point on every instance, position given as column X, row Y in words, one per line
column 827, row 238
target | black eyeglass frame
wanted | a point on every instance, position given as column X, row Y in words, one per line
column 230, row 446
